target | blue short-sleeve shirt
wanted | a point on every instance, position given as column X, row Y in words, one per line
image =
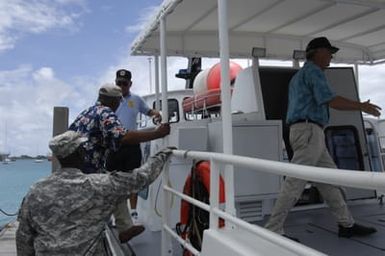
column 309, row 95
column 128, row 110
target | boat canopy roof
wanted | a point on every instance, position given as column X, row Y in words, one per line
column 357, row 27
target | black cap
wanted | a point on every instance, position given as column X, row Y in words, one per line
column 321, row 42
column 123, row 75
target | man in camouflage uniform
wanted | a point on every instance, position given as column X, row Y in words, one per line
column 106, row 134
column 65, row 213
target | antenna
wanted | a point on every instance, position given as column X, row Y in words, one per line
column 192, row 70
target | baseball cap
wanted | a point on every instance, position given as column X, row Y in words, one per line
column 321, row 42
column 66, row 143
column 110, row 90
column 123, row 75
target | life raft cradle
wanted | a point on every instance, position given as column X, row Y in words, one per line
column 209, row 100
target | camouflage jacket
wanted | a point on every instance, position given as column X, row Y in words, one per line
column 65, row 213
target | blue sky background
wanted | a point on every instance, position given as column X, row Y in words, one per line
column 59, row 52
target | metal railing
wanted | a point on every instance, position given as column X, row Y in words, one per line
column 113, row 245
column 349, row 178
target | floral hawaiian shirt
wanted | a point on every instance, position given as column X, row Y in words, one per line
column 104, row 131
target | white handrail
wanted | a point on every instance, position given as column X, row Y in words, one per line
column 263, row 233
column 348, row 178
column 184, row 243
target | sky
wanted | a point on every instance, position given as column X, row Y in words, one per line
column 59, row 52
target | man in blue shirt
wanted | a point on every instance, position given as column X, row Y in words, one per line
column 310, row 97
column 129, row 157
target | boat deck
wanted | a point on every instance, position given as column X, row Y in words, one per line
column 315, row 228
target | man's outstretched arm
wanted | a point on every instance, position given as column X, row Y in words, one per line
column 139, row 178
column 342, row 103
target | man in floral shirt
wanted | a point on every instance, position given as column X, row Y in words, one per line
column 105, row 133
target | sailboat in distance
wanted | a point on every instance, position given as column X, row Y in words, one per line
column 4, row 156
column 7, row 160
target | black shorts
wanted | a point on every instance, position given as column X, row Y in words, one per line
column 127, row 158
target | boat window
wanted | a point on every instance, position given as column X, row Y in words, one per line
column 344, row 147
column 173, row 110
column 373, row 149
column 141, row 121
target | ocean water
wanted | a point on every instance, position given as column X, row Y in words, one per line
column 15, row 181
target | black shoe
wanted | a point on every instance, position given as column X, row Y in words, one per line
column 291, row 238
column 128, row 234
column 111, row 224
column 355, row 230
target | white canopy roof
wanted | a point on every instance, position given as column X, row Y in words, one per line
column 357, row 27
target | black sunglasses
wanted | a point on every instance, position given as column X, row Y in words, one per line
column 123, row 83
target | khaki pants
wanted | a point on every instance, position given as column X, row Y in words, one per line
column 122, row 216
column 308, row 143
column 127, row 158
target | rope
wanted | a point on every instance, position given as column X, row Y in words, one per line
column 157, row 212
column 8, row 214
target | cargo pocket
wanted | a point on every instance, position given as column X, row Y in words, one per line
column 300, row 136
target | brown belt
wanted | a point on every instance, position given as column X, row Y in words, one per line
column 306, row 121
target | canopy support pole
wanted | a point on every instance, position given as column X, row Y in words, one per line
column 166, row 238
column 227, row 126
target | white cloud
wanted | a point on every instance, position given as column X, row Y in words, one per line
column 144, row 19
column 45, row 73
column 371, row 85
column 6, row 42
column 20, row 17
column 66, row 2
column 27, row 99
